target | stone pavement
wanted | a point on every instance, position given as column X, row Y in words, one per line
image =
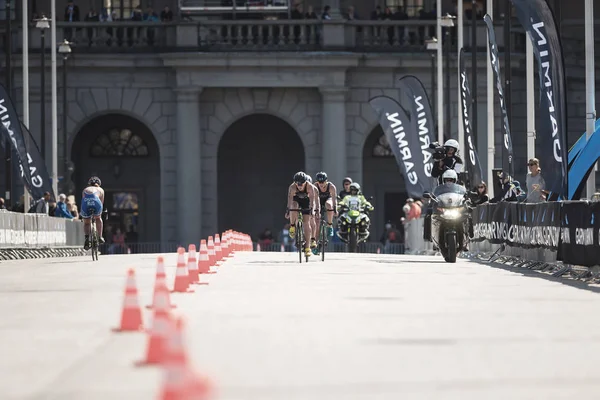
column 355, row 327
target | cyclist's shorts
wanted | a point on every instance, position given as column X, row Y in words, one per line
column 304, row 204
column 91, row 206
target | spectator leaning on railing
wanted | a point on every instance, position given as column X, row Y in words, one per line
column 535, row 182
column 61, row 210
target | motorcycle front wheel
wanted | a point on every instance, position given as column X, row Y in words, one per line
column 451, row 248
column 353, row 240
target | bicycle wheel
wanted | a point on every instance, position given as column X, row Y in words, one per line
column 299, row 233
column 94, row 239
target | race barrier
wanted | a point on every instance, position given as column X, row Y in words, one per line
column 550, row 232
column 39, row 235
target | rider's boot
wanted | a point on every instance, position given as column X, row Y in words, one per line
column 330, row 230
column 86, row 244
column 292, row 231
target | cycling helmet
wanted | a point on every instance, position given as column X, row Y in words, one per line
column 450, row 175
column 321, row 177
column 94, row 180
column 451, row 143
column 309, row 178
column 355, row 186
column 300, row 177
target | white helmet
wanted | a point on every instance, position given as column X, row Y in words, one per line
column 452, row 143
column 450, row 175
column 308, row 178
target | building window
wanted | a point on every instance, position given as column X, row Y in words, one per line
column 382, row 148
column 119, row 143
column 411, row 7
column 123, row 8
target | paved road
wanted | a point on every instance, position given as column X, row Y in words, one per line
column 362, row 327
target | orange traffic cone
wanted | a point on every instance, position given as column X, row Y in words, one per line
column 182, row 279
column 212, row 255
column 218, row 249
column 160, row 276
column 180, row 381
column 192, row 267
column 131, row 315
column 203, row 262
column 158, row 334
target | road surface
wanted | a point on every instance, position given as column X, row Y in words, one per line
column 355, row 327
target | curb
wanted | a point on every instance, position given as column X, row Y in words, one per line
column 25, row 253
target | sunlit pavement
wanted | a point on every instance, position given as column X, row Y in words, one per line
column 266, row 327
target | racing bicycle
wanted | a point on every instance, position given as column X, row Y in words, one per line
column 299, row 234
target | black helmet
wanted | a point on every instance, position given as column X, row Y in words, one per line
column 300, row 177
column 321, row 177
column 94, row 180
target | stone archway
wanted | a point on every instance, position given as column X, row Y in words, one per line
column 383, row 180
column 122, row 151
column 257, row 158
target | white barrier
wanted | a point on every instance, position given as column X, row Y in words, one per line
column 18, row 230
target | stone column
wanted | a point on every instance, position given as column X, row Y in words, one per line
column 333, row 134
column 189, row 166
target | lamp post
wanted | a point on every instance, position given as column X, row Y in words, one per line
column 7, row 144
column 64, row 48
column 42, row 24
column 432, row 45
column 447, row 21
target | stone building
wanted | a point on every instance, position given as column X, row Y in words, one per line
column 197, row 127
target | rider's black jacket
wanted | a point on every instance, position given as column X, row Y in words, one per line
column 447, row 163
column 342, row 194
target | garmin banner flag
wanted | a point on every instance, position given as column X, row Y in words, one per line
column 473, row 165
column 31, row 164
column 405, row 144
column 422, row 120
column 507, row 154
column 538, row 20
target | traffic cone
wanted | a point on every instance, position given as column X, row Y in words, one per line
column 211, row 252
column 225, row 245
column 203, row 262
column 180, row 382
column 161, row 276
column 192, row 267
column 131, row 315
column 182, row 279
column 218, row 249
column 161, row 322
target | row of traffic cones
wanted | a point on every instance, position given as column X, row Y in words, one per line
column 165, row 346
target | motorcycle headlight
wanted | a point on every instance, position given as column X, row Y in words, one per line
column 451, row 213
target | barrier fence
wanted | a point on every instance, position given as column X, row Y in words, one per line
column 18, row 230
column 565, row 231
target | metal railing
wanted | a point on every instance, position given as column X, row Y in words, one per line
column 252, row 36
column 19, row 230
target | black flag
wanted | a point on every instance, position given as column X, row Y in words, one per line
column 472, row 159
column 538, row 20
column 31, row 164
column 422, row 122
column 404, row 142
column 507, row 161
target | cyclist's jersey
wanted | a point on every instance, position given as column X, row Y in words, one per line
column 301, row 194
column 324, row 196
column 91, row 205
column 301, row 197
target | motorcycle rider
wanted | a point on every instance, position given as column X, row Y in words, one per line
column 345, row 188
column 363, row 203
column 450, row 162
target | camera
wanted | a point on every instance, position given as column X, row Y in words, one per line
column 438, row 152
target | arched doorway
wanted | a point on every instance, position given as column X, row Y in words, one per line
column 383, row 180
column 123, row 152
column 257, row 158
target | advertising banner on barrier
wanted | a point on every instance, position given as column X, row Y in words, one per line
column 580, row 225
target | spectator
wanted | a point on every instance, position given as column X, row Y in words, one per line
column 71, row 15
column 535, row 182
column 326, row 14
column 166, row 15
column 72, row 206
column 284, row 237
column 376, row 14
column 42, row 205
column 481, row 196
column 265, row 238
column 2, row 206
column 508, row 191
column 62, row 210
column 390, row 236
column 118, row 243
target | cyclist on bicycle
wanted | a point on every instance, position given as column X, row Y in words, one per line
column 315, row 218
column 301, row 195
column 327, row 198
column 91, row 207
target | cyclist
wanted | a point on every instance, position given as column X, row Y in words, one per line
column 314, row 219
column 91, row 207
column 327, row 198
column 301, row 195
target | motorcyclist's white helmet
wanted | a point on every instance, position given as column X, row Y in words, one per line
column 450, row 176
column 452, row 143
column 355, row 186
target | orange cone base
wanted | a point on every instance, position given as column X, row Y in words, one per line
column 201, row 283
column 150, row 307
column 119, row 330
column 186, row 291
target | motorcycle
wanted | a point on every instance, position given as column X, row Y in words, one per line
column 352, row 220
column 450, row 219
